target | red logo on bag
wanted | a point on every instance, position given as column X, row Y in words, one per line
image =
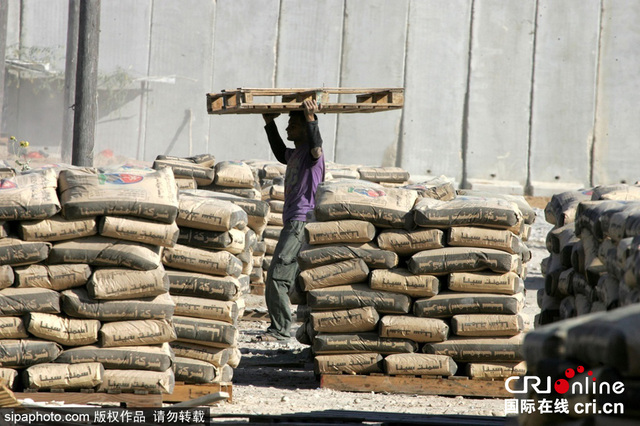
column 368, row 192
column 119, row 178
column 7, row 184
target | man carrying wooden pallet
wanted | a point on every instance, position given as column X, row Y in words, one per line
column 305, row 170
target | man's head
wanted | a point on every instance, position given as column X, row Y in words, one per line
column 296, row 128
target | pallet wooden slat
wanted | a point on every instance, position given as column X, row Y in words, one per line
column 130, row 399
column 243, row 100
column 415, row 385
column 185, row 392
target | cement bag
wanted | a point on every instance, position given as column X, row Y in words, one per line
column 20, row 301
column 496, row 370
column 420, row 365
column 5, row 229
column 153, row 358
column 487, row 325
column 384, row 174
column 199, row 307
column 63, row 376
column 139, row 230
column 29, row 196
column 439, row 188
column 589, row 216
column 469, row 349
column 624, row 224
column 341, row 172
column 256, row 209
column 620, row 192
column 203, row 160
column 272, row 170
column 374, row 257
column 77, row 303
column 186, row 183
column 360, row 343
column 203, row 175
column 8, row 377
column 357, row 199
column 486, row 282
column 415, row 329
column 486, row 238
column 276, row 192
column 215, row 356
column 138, row 380
column 193, row 371
column 53, row 277
column 235, row 174
column 7, row 276
column 345, row 272
column 136, row 333
column 468, row 211
column 123, row 283
column 612, row 340
column 102, row 251
column 402, row 281
column 202, row 285
column 16, row 252
column 463, row 259
column 528, row 213
column 406, row 242
column 448, row 304
column 141, row 194
column 273, row 232
column 26, row 352
column 340, row 231
column 276, row 206
column 205, row 332
column 348, row 364
column 562, row 207
column 345, row 321
column 210, row 214
column 358, row 296
column 57, row 228
column 12, row 328
column 235, row 357
column 246, row 193
column 66, row 331
column 199, row 260
column 232, row 241
column 275, row 219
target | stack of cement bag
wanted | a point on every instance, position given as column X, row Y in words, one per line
column 401, row 283
column 189, row 172
column 210, row 267
column 592, row 248
column 85, row 290
column 386, row 176
column 588, row 368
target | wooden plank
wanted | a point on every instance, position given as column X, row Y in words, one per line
column 130, row 399
column 185, row 392
column 415, row 385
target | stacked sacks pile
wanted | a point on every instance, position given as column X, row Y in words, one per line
column 272, row 193
column 590, row 366
column 189, row 172
column 592, row 252
column 96, row 307
column 206, row 278
column 373, row 307
column 235, row 178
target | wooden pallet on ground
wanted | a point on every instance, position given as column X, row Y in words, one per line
column 185, row 391
column 418, row 385
column 331, row 100
column 89, row 397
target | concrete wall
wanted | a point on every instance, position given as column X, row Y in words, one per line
column 531, row 95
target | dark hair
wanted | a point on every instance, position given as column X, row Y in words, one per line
column 299, row 115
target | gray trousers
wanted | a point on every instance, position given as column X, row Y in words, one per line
column 281, row 276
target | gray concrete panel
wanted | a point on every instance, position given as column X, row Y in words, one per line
column 499, row 91
column 437, row 64
column 373, row 56
column 13, row 25
column 244, row 49
column 564, row 92
column 616, row 152
column 44, row 31
column 122, row 23
column 309, row 52
column 175, row 114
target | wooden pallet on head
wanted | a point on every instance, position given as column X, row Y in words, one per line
column 331, row 100
column 416, row 385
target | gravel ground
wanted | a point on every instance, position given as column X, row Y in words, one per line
column 278, row 378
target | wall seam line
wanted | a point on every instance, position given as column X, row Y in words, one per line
column 592, row 147
column 528, row 189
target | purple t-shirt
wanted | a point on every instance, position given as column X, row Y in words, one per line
column 304, row 173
